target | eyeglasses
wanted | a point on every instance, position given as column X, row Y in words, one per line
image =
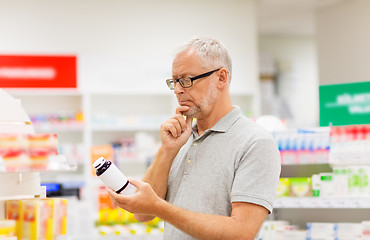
column 187, row 82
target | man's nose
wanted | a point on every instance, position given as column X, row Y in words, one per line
column 178, row 88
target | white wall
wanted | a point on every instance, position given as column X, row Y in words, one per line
column 125, row 44
column 298, row 80
column 343, row 39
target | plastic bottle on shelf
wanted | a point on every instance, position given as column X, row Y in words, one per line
column 326, row 185
column 365, row 230
column 315, row 185
column 340, row 179
column 353, row 181
column 320, row 230
column 113, row 177
column 364, row 177
column 348, row 231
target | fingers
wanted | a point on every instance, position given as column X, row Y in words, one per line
column 112, row 193
column 138, row 184
column 112, row 196
column 118, row 199
column 176, row 125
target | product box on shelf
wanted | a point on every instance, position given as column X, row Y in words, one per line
column 280, row 230
column 316, row 231
column 283, row 230
column 303, row 146
column 294, row 187
column 117, row 221
column 300, row 187
column 12, row 150
column 39, row 218
column 105, row 151
column 14, row 211
column 350, row 145
column 64, row 120
column 60, row 216
column 352, row 181
column 27, row 151
column 342, row 183
column 283, row 188
column 40, row 147
column 7, row 229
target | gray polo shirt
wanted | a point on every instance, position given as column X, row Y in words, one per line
column 234, row 161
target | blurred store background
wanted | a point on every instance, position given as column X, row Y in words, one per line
column 295, row 62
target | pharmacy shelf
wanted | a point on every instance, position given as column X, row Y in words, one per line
column 304, row 170
column 5, row 198
column 50, row 128
column 58, row 163
column 349, row 158
column 323, row 202
column 124, row 128
column 100, row 109
column 44, row 91
column 307, row 170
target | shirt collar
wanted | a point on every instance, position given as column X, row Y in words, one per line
column 224, row 123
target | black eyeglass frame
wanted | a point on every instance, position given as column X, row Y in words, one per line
column 179, row 80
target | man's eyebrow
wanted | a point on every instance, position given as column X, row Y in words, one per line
column 186, row 74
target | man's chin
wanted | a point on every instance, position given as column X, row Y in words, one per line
column 187, row 114
column 192, row 113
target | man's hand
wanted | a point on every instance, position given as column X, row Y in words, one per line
column 176, row 130
column 142, row 202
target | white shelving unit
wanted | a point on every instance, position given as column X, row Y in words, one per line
column 300, row 210
column 108, row 116
column 323, row 202
column 22, row 182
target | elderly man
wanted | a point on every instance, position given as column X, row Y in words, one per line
column 213, row 178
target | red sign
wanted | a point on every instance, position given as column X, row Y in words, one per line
column 18, row 71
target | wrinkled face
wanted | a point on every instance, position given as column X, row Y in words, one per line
column 200, row 97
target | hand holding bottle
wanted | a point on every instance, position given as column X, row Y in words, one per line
column 112, row 177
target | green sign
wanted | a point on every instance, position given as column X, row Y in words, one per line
column 345, row 104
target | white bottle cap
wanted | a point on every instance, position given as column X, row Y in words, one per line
column 99, row 162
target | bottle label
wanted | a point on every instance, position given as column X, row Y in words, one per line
column 122, row 188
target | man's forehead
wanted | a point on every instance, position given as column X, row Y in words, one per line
column 186, row 55
column 186, row 59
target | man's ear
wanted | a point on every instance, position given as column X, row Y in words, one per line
column 222, row 78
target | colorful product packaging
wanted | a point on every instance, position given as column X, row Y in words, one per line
column 364, row 179
column 283, row 188
column 60, row 216
column 27, row 151
column 14, row 211
column 12, row 151
column 105, row 151
column 326, row 184
column 39, row 218
column 340, row 181
column 40, row 147
column 353, row 181
column 315, row 180
column 316, row 231
column 7, row 228
column 300, row 187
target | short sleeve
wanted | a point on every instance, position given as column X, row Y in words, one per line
column 257, row 174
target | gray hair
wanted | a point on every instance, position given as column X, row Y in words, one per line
column 212, row 52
